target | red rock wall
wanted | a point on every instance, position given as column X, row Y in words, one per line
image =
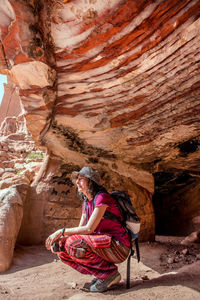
column 10, row 105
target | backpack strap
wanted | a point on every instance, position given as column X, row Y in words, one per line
column 95, row 198
column 111, row 216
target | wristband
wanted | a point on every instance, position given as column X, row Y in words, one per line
column 63, row 231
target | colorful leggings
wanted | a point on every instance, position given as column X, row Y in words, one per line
column 81, row 254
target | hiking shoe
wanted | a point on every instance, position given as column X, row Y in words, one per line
column 101, row 285
column 93, row 281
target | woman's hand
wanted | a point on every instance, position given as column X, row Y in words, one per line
column 52, row 238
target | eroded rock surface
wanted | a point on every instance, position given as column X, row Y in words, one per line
column 113, row 84
column 128, row 79
column 11, row 213
column 10, row 104
column 20, row 158
column 194, row 237
column 20, row 162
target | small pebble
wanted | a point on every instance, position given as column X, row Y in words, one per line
column 198, row 256
column 145, row 277
column 170, row 260
column 72, row 285
column 176, row 259
column 184, row 251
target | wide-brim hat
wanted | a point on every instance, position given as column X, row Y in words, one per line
column 87, row 172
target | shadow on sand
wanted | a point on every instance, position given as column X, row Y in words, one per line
column 188, row 276
column 26, row 257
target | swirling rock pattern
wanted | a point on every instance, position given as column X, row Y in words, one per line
column 128, row 76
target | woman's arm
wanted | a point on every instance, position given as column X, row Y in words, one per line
column 82, row 220
column 85, row 229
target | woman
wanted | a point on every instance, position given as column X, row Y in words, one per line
column 98, row 243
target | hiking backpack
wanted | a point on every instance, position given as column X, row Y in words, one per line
column 131, row 223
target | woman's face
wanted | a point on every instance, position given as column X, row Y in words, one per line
column 82, row 184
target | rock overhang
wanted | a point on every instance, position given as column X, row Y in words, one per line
column 124, row 75
column 128, row 76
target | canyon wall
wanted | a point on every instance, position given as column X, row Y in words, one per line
column 10, row 104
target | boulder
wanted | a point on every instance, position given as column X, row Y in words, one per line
column 11, row 213
column 194, row 237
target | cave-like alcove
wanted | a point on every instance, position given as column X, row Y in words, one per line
column 176, row 203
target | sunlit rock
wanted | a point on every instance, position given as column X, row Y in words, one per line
column 11, row 213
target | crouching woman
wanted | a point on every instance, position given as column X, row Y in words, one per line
column 98, row 243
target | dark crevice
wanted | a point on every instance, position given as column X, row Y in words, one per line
column 188, row 147
column 174, row 209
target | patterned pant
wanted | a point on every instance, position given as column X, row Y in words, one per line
column 82, row 254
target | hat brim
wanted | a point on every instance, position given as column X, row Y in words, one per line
column 74, row 177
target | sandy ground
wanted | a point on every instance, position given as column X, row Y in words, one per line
column 167, row 270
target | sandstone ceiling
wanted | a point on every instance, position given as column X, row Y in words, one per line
column 115, row 81
column 128, row 78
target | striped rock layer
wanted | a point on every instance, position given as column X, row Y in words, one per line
column 128, row 79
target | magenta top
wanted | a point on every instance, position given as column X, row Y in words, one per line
column 110, row 227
